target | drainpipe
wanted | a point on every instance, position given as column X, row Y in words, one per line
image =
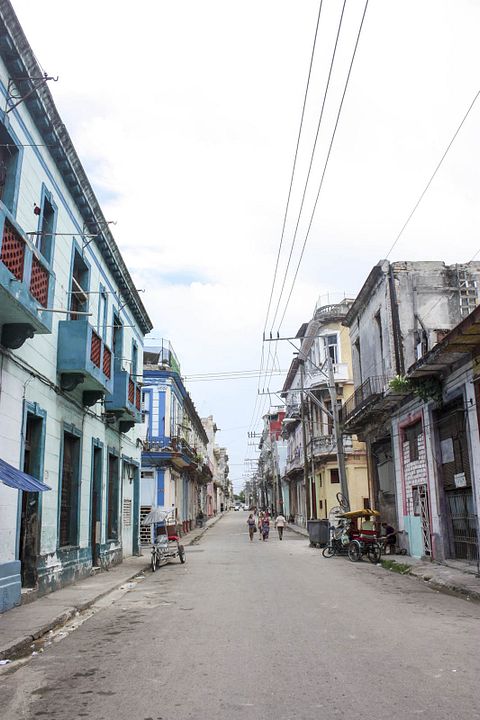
column 397, row 335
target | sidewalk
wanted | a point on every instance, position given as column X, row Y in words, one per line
column 22, row 625
column 454, row 577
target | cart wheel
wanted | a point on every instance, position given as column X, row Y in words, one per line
column 181, row 554
column 374, row 553
column 154, row 561
column 402, row 551
column 328, row 551
column 354, row 551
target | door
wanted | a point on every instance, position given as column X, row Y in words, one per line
column 96, row 509
column 461, row 521
column 29, row 522
column 127, row 509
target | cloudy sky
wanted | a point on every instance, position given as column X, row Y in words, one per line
column 185, row 114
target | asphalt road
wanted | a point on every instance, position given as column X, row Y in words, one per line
column 259, row 630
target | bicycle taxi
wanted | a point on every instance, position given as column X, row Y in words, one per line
column 356, row 535
column 166, row 544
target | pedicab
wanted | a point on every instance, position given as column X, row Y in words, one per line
column 166, row 544
column 363, row 537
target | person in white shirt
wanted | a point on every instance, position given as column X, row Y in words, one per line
column 280, row 523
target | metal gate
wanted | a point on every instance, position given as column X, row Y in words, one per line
column 425, row 518
column 463, row 524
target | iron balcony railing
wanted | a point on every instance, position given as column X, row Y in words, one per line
column 369, row 391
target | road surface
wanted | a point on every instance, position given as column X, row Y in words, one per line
column 259, row 630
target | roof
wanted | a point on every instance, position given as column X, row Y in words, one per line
column 463, row 340
column 20, row 61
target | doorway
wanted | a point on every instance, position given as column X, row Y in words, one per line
column 30, row 512
column 456, row 483
column 96, row 509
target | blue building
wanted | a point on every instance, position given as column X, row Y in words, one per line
column 72, row 327
column 175, row 466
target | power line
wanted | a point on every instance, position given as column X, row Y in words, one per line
column 312, row 156
column 294, row 162
column 433, row 176
column 326, row 163
column 287, row 206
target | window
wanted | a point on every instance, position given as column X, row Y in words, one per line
column 117, row 342
column 134, row 359
column 331, row 343
column 102, row 313
column 334, row 476
column 79, row 286
column 69, row 490
column 412, row 434
column 46, row 226
column 9, row 167
column 112, row 498
column 378, row 322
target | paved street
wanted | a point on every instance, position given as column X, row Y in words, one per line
column 259, row 630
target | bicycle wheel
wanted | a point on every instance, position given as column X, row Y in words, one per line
column 153, row 561
column 328, row 551
column 354, row 551
column 374, row 552
column 181, row 554
column 343, row 502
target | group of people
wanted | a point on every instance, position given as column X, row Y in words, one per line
column 262, row 525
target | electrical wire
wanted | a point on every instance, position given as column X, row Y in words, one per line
column 312, row 55
column 437, row 168
column 287, row 206
column 325, row 164
column 312, row 156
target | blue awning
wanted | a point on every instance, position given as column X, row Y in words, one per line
column 19, row 480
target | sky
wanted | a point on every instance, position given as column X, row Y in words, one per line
column 186, row 114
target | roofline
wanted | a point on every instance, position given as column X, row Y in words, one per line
column 65, row 157
column 375, row 273
column 195, row 417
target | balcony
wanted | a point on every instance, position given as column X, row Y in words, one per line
column 83, row 358
column 340, row 374
column 372, row 400
column 125, row 402
column 327, row 445
column 26, row 287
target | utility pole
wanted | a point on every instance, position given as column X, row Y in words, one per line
column 337, row 428
column 304, row 442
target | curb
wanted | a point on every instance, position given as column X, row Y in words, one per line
column 448, row 588
column 20, row 645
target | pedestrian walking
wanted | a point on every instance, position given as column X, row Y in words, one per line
column 260, row 523
column 252, row 528
column 265, row 526
column 280, row 523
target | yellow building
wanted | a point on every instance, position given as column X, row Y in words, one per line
column 324, row 341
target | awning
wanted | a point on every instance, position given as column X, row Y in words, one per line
column 19, row 480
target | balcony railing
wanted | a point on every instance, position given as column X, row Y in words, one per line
column 372, row 389
column 26, row 286
column 162, row 354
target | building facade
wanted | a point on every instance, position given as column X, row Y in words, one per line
column 415, row 401
column 311, row 440
column 72, row 328
column 175, row 466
